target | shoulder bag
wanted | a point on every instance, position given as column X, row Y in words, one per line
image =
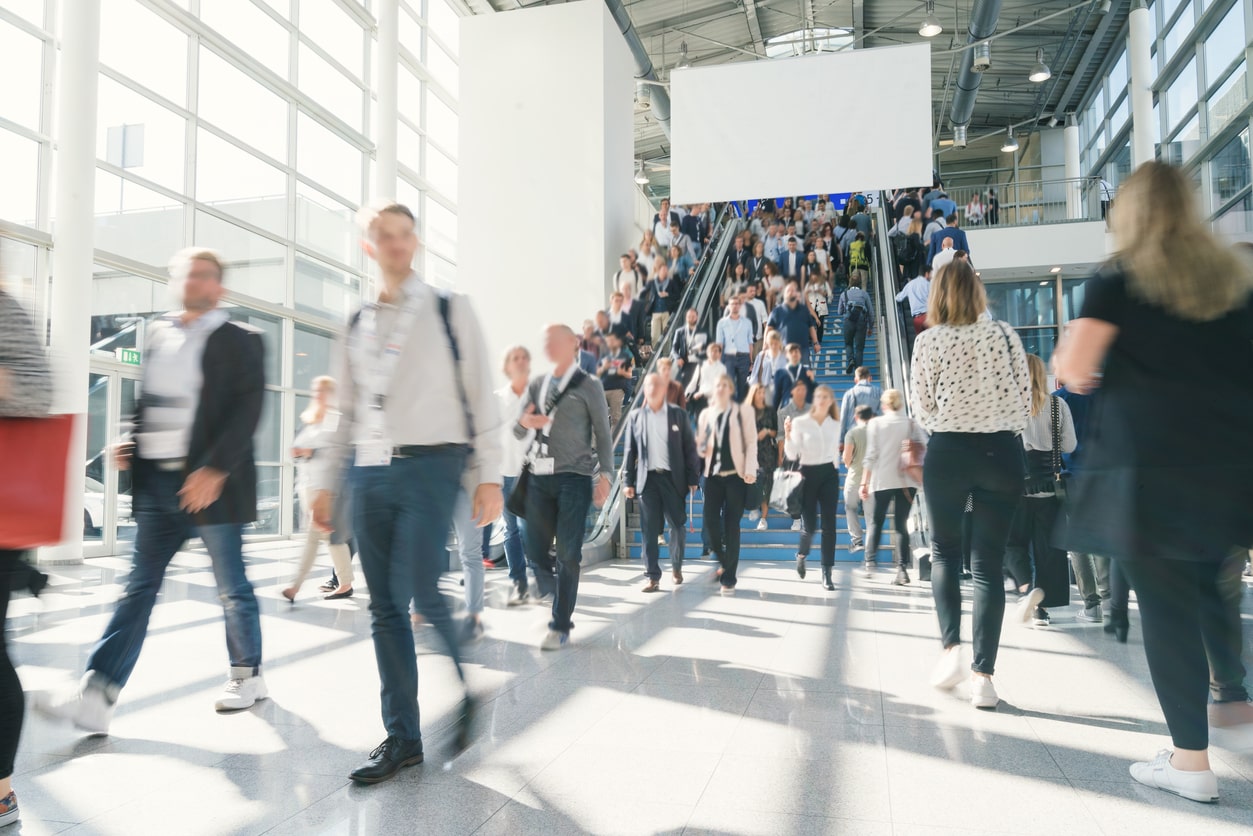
column 1044, row 467
column 32, row 492
column 515, row 503
column 911, row 458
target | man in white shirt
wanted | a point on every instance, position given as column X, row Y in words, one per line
column 759, row 308
column 626, row 272
column 735, row 335
column 700, row 389
column 944, row 257
column 661, row 225
column 854, row 452
column 917, row 291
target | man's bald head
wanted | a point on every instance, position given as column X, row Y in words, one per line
column 561, row 344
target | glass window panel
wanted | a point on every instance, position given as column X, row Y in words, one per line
column 251, row 29
column 271, row 335
column 1175, row 35
column 408, row 146
column 1226, row 102
column 255, row 265
column 19, row 197
column 1118, row 77
column 445, row 23
column 410, row 33
column 441, row 66
column 234, row 181
column 328, row 159
column 1024, row 303
column 1225, row 43
column 241, row 106
column 32, row 10
column 136, row 222
column 336, row 31
column 409, row 195
column 265, row 441
column 21, row 64
column 1119, row 117
column 441, row 122
column 325, row 290
column 441, row 171
column 312, row 348
column 329, row 87
column 135, row 133
column 1168, row 8
column 1184, row 145
column 1237, row 221
column 441, row 228
column 1181, row 95
column 326, row 225
column 283, row 7
column 409, row 91
column 121, row 306
column 17, row 277
column 141, row 45
column 1229, row 170
column 269, row 500
column 440, row 271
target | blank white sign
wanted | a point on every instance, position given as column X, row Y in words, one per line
column 847, row 121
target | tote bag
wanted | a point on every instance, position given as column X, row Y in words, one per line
column 32, row 492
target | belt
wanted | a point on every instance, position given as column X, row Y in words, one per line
column 410, row 451
column 170, row 465
column 658, row 471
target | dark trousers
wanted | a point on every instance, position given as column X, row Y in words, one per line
column 402, row 513
column 13, row 573
column 1187, row 634
column 556, row 511
column 1030, row 555
column 988, row 468
column 661, row 502
column 515, row 532
column 738, row 366
column 162, row 528
column 820, row 486
column 724, row 508
column 855, row 342
column 901, row 500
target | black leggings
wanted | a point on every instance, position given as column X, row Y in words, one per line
column 901, row 499
column 13, row 573
column 989, row 469
column 1187, row 634
column 821, row 486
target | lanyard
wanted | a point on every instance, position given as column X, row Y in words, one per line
column 383, row 353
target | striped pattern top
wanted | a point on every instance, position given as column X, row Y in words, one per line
column 28, row 390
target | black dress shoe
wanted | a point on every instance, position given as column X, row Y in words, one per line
column 335, row 596
column 464, row 735
column 826, row 578
column 800, row 565
column 391, row 756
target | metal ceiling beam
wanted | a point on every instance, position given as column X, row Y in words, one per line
column 754, row 26
column 1095, row 45
column 690, row 19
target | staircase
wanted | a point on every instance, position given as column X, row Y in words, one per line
column 778, row 541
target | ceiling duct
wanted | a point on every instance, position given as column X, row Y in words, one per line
column 658, row 97
column 982, row 26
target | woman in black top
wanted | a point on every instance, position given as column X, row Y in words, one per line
column 767, row 451
column 1170, row 317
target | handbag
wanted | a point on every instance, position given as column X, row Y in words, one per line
column 1053, row 480
column 785, row 491
column 822, row 307
column 515, row 503
column 910, row 461
column 32, row 493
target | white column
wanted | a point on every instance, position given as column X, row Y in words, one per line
column 386, row 88
column 1139, row 41
column 73, row 250
column 1070, row 143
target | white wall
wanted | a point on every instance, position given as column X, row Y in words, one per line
column 1047, row 245
column 545, row 137
column 874, row 133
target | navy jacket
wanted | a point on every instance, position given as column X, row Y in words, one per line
column 959, row 241
column 783, row 385
column 684, row 463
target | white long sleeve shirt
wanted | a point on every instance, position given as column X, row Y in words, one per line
column 513, row 450
column 811, row 442
column 881, row 462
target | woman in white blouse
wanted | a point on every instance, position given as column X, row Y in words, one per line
column 518, row 369
column 881, row 475
column 700, row 389
column 767, row 365
column 972, row 392
column 726, row 439
column 814, row 439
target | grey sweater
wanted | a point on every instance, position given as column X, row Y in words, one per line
column 578, row 440
column 22, row 358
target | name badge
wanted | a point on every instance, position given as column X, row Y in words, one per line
column 374, row 453
column 542, row 466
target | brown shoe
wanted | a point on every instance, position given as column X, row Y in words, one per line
column 652, row 586
column 678, row 578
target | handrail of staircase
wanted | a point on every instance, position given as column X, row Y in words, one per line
column 700, row 292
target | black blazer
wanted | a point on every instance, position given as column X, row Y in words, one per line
column 682, row 446
column 679, row 349
column 226, row 418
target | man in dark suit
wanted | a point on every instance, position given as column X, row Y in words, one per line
column 661, row 466
column 193, row 473
column 688, row 347
column 792, row 262
column 739, row 255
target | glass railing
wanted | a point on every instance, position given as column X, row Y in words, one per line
column 1030, row 202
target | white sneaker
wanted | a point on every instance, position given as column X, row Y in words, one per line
column 727, row 590
column 948, row 671
column 754, row 516
column 555, row 640
column 983, row 693
column 1090, row 615
column 761, row 525
column 796, row 525
column 1195, row 786
column 1027, row 602
column 86, row 707
column 240, row 693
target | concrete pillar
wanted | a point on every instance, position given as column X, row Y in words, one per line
column 1070, row 141
column 386, row 87
column 73, row 251
column 1139, row 41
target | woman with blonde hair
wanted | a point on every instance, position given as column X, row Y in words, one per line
column 313, row 451
column 768, row 363
column 1172, row 312
column 972, row 392
column 814, row 440
column 1040, row 570
column 726, row 439
column 883, row 478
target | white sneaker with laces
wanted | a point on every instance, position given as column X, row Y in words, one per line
column 86, row 707
column 555, row 640
column 240, row 693
column 1027, row 602
column 948, row 671
column 754, row 516
column 796, row 525
column 1089, row 615
column 983, row 693
column 761, row 525
column 1194, row 786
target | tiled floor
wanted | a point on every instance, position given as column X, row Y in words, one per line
column 783, row 710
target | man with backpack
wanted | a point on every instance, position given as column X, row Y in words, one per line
column 854, row 310
column 859, row 259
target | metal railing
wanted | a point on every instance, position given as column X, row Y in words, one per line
column 1030, row 202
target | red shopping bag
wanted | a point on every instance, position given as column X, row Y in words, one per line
column 33, row 455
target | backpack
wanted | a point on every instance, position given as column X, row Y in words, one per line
column 853, row 315
column 912, row 249
column 857, row 256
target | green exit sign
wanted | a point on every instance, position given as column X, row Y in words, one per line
column 129, row 356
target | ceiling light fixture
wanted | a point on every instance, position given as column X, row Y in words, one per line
column 931, row 25
column 1056, row 270
column 641, row 176
column 683, row 62
column 1011, row 141
column 1040, row 72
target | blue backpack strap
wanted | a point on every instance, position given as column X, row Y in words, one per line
column 444, row 305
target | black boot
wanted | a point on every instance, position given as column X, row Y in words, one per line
column 800, row 565
column 826, row 578
column 1118, row 624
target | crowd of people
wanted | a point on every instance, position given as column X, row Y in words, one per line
column 410, row 438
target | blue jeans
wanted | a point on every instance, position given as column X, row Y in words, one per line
column 162, row 528
column 470, row 550
column 738, row 366
column 515, row 529
column 401, row 515
column 556, row 508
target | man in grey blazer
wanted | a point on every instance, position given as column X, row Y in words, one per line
column 661, row 466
